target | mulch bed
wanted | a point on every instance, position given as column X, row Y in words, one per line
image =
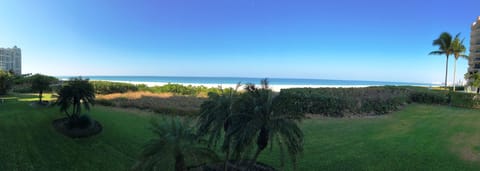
column 60, row 126
column 240, row 166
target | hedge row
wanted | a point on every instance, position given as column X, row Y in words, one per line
column 340, row 102
column 180, row 89
column 107, row 87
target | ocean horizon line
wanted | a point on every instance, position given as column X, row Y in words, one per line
column 208, row 80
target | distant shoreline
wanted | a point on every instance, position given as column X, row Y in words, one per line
column 274, row 87
column 230, row 82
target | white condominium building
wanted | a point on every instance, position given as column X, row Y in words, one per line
column 474, row 58
column 11, row 60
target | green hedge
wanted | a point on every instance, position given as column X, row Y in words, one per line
column 107, row 87
column 180, row 89
column 465, row 100
column 339, row 102
column 429, row 97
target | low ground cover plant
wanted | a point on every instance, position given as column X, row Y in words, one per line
column 156, row 102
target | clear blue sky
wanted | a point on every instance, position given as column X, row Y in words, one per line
column 335, row 39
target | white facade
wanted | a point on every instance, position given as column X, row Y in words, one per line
column 11, row 60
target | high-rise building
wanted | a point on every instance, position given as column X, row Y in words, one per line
column 474, row 58
column 11, row 60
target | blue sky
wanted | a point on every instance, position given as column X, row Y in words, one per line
column 334, row 39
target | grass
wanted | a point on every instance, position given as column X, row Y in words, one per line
column 419, row 137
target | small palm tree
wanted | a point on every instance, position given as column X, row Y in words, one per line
column 444, row 42
column 213, row 119
column 258, row 118
column 458, row 52
column 175, row 143
column 76, row 92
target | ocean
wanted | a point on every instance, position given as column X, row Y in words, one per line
column 235, row 80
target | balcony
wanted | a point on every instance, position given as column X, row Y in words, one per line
column 476, row 66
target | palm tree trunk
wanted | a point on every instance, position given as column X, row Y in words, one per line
column 40, row 96
column 225, row 165
column 446, row 72
column 180, row 163
column 282, row 157
column 255, row 157
column 454, row 73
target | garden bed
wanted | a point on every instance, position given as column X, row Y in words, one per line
column 239, row 166
column 60, row 125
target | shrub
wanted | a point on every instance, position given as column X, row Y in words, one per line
column 429, row 97
column 6, row 82
column 83, row 122
column 465, row 100
column 180, row 89
column 165, row 103
column 107, row 87
column 338, row 102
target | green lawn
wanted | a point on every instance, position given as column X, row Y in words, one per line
column 419, row 137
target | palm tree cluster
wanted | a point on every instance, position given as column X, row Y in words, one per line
column 76, row 93
column 450, row 46
column 176, row 142
column 251, row 120
column 240, row 124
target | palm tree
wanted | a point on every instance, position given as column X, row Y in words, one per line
column 458, row 52
column 76, row 92
column 175, row 143
column 213, row 119
column 257, row 118
column 444, row 42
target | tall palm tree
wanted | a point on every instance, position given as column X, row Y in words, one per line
column 176, row 143
column 257, row 120
column 458, row 50
column 76, row 92
column 213, row 119
column 444, row 42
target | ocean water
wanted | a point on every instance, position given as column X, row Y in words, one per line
column 235, row 80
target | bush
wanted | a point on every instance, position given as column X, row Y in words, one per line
column 82, row 122
column 429, row 97
column 164, row 103
column 6, row 82
column 465, row 100
column 180, row 89
column 338, row 102
column 106, row 87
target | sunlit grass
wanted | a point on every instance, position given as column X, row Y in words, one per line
column 419, row 137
